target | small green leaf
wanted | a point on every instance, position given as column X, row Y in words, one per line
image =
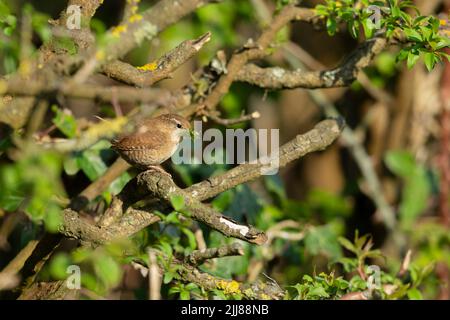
column 177, row 202
column 191, row 238
column 58, row 266
column 347, row 245
column 107, row 270
column 412, row 59
column 429, row 59
column 321, row 10
column 71, row 166
column 368, row 27
column 168, row 277
column 414, row 294
column 413, row 35
column 65, row 122
column 318, row 292
column 400, row 162
column 53, row 219
column 331, row 26
column 353, row 27
column 185, row 295
column 91, row 163
column 172, row 218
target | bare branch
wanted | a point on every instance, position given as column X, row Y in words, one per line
column 17, row 87
column 323, row 134
column 155, row 71
column 197, row 257
column 342, row 76
column 229, row 122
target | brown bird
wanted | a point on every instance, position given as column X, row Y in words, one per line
column 154, row 141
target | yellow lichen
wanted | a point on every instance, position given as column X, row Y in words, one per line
column 3, row 88
column 100, row 55
column 264, row 296
column 135, row 18
column 148, row 67
column 117, row 31
column 25, row 67
column 229, row 287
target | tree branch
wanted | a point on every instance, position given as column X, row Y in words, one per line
column 153, row 72
column 198, row 257
column 160, row 186
column 342, row 76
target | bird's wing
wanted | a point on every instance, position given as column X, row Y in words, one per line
column 140, row 141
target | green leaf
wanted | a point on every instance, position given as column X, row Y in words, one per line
column 191, row 238
column 191, row 287
column 117, row 185
column 65, row 122
column 59, row 265
column 318, row 291
column 172, row 218
column 331, row 26
column 177, row 202
column 53, row 219
column 323, row 240
column 185, row 295
column 321, row 10
column 416, row 189
column 10, row 202
column 71, row 166
column 168, row 277
column 307, row 278
column 443, row 43
column 395, row 11
column 386, row 64
column 347, row 244
column 400, row 162
column 415, row 196
column 412, row 59
column 368, row 27
column 430, row 60
column 107, row 270
column 166, row 248
column 91, row 163
column 353, row 28
column 414, row 294
column 413, row 35
column 403, row 54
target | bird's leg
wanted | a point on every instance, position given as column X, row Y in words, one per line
column 159, row 169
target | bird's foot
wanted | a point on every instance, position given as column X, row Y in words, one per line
column 160, row 170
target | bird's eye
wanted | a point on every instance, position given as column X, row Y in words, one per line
column 179, row 125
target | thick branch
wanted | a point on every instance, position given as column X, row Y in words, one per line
column 323, row 134
column 155, row 71
column 162, row 187
column 149, row 183
column 256, row 50
column 19, row 87
column 257, row 290
column 342, row 76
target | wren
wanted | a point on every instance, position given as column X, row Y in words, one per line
column 153, row 142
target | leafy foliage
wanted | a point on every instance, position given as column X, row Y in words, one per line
column 391, row 18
